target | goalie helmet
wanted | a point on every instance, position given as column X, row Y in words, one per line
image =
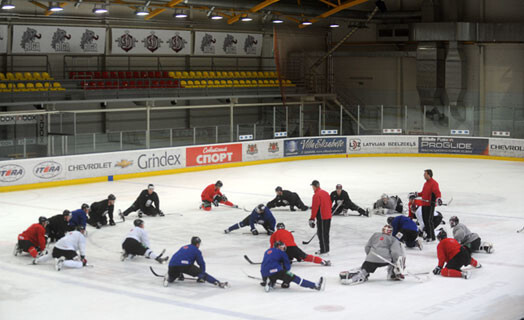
column 441, row 234
column 384, row 196
column 387, row 229
column 453, row 221
column 281, row 225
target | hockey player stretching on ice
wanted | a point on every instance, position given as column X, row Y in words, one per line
column 287, row 198
column 79, row 217
column 467, row 238
column 33, row 239
column 66, row 251
column 183, row 262
column 276, row 266
column 381, row 246
column 321, row 210
column 261, row 215
column 405, row 230
column 147, row 203
column 136, row 243
column 455, row 256
column 388, row 205
column 342, row 202
column 100, row 210
column 292, row 250
column 57, row 226
column 430, row 197
column 212, row 195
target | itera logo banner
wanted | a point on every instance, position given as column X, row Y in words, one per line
column 453, row 145
column 47, row 169
column 11, row 172
column 297, row 147
column 199, row 156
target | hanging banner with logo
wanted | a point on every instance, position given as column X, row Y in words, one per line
column 478, row 146
column 228, row 44
column 60, row 39
column 3, row 38
column 145, row 41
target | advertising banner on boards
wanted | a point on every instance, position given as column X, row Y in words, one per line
column 312, row 146
column 453, row 145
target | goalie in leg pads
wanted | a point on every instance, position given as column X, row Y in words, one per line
column 183, row 262
column 467, row 238
column 212, row 196
column 388, row 205
column 147, row 203
column 275, row 266
column 455, row 256
column 136, row 243
column 384, row 245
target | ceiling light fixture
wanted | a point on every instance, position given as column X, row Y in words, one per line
column 180, row 14
column 246, row 19
column 55, row 7
column 141, row 11
column 334, row 25
column 216, row 17
column 7, row 5
column 100, row 10
column 277, row 20
column 306, row 23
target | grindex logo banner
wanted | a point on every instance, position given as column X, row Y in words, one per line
column 226, row 153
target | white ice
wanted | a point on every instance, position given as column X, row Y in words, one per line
column 487, row 197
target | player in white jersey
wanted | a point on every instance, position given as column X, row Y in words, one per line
column 137, row 243
column 66, row 250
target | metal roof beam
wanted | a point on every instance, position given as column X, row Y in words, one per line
column 158, row 11
column 262, row 5
column 345, row 5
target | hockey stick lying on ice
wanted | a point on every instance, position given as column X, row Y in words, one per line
column 391, row 263
column 250, row 261
column 521, row 229
column 255, row 278
column 161, row 276
column 307, row 242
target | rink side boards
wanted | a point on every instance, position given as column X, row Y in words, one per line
column 264, row 152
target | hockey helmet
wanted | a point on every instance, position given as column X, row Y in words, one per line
column 195, row 240
column 278, row 189
column 453, row 221
column 85, row 206
column 338, row 187
column 384, row 196
column 219, row 184
column 441, row 234
column 412, row 195
column 111, row 197
column 151, row 186
column 81, row 229
column 387, row 229
column 390, row 220
column 281, row 225
column 138, row 222
column 280, row 245
column 66, row 213
column 315, row 183
column 260, row 208
column 42, row 220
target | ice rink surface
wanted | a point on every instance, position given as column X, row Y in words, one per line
column 488, row 197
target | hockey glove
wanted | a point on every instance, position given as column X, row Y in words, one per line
column 437, row 270
column 223, row 198
column 254, row 232
column 439, row 201
column 311, row 223
column 84, row 261
column 215, row 202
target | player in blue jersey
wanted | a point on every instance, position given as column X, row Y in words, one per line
column 405, row 230
column 79, row 217
column 261, row 215
column 183, row 262
column 276, row 266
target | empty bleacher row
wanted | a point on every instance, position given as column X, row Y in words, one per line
column 176, row 79
column 28, row 82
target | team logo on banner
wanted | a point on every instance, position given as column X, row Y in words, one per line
column 59, row 42
column 250, row 45
column 124, row 163
column 273, row 147
column 152, row 42
column 126, row 41
column 354, row 144
column 47, row 169
column 177, row 43
column 11, row 172
column 252, row 149
column 87, row 43
column 208, row 44
column 29, row 40
column 230, row 44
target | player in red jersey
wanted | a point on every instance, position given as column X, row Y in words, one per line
column 212, row 195
column 321, row 210
column 292, row 250
column 430, row 196
column 455, row 256
column 33, row 239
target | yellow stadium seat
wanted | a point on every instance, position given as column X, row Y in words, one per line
column 20, row 87
column 248, row 83
column 37, row 76
column 10, row 76
column 249, row 74
column 242, row 83
column 229, row 83
column 30, row 86
column 2, row 77
column 260, row 83
column 19, row 76
column 218, row 74
column 212, row 74
column 192, row 74
column 197, row 84
column 3, row 87
column 185, row 74
column 39, row 87
column 216, row 84
column 242, row 74
column 190, row 84
column 47, row 85
column 230, row 74
column 260, row 74
column 205, row 74
column 289, row 83
column 223, row 83
column 183, row 83
column 272, row 83
column 236, row 83
column 11, row 87
column 171, row 74
column 46, row 76
column 272, row 74
column 236, row 74
column 28, row 76
column 198, row 74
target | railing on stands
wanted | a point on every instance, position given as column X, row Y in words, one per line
column 60, row 133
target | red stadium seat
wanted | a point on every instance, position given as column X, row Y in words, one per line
column 155, row 84
column 129, row 74
column 140, row 84
column 97, row 75
column 132, row 84
column 165, row 74
column 99, row 85
column 121, row 75
column 158, row 74
column 113, row 75
column 105, row 75
column 163, row 84
column 72, row 74
column 144, row 74
column 136, row 74
column 151, row 74
column 124, row 84
column 88, row 75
